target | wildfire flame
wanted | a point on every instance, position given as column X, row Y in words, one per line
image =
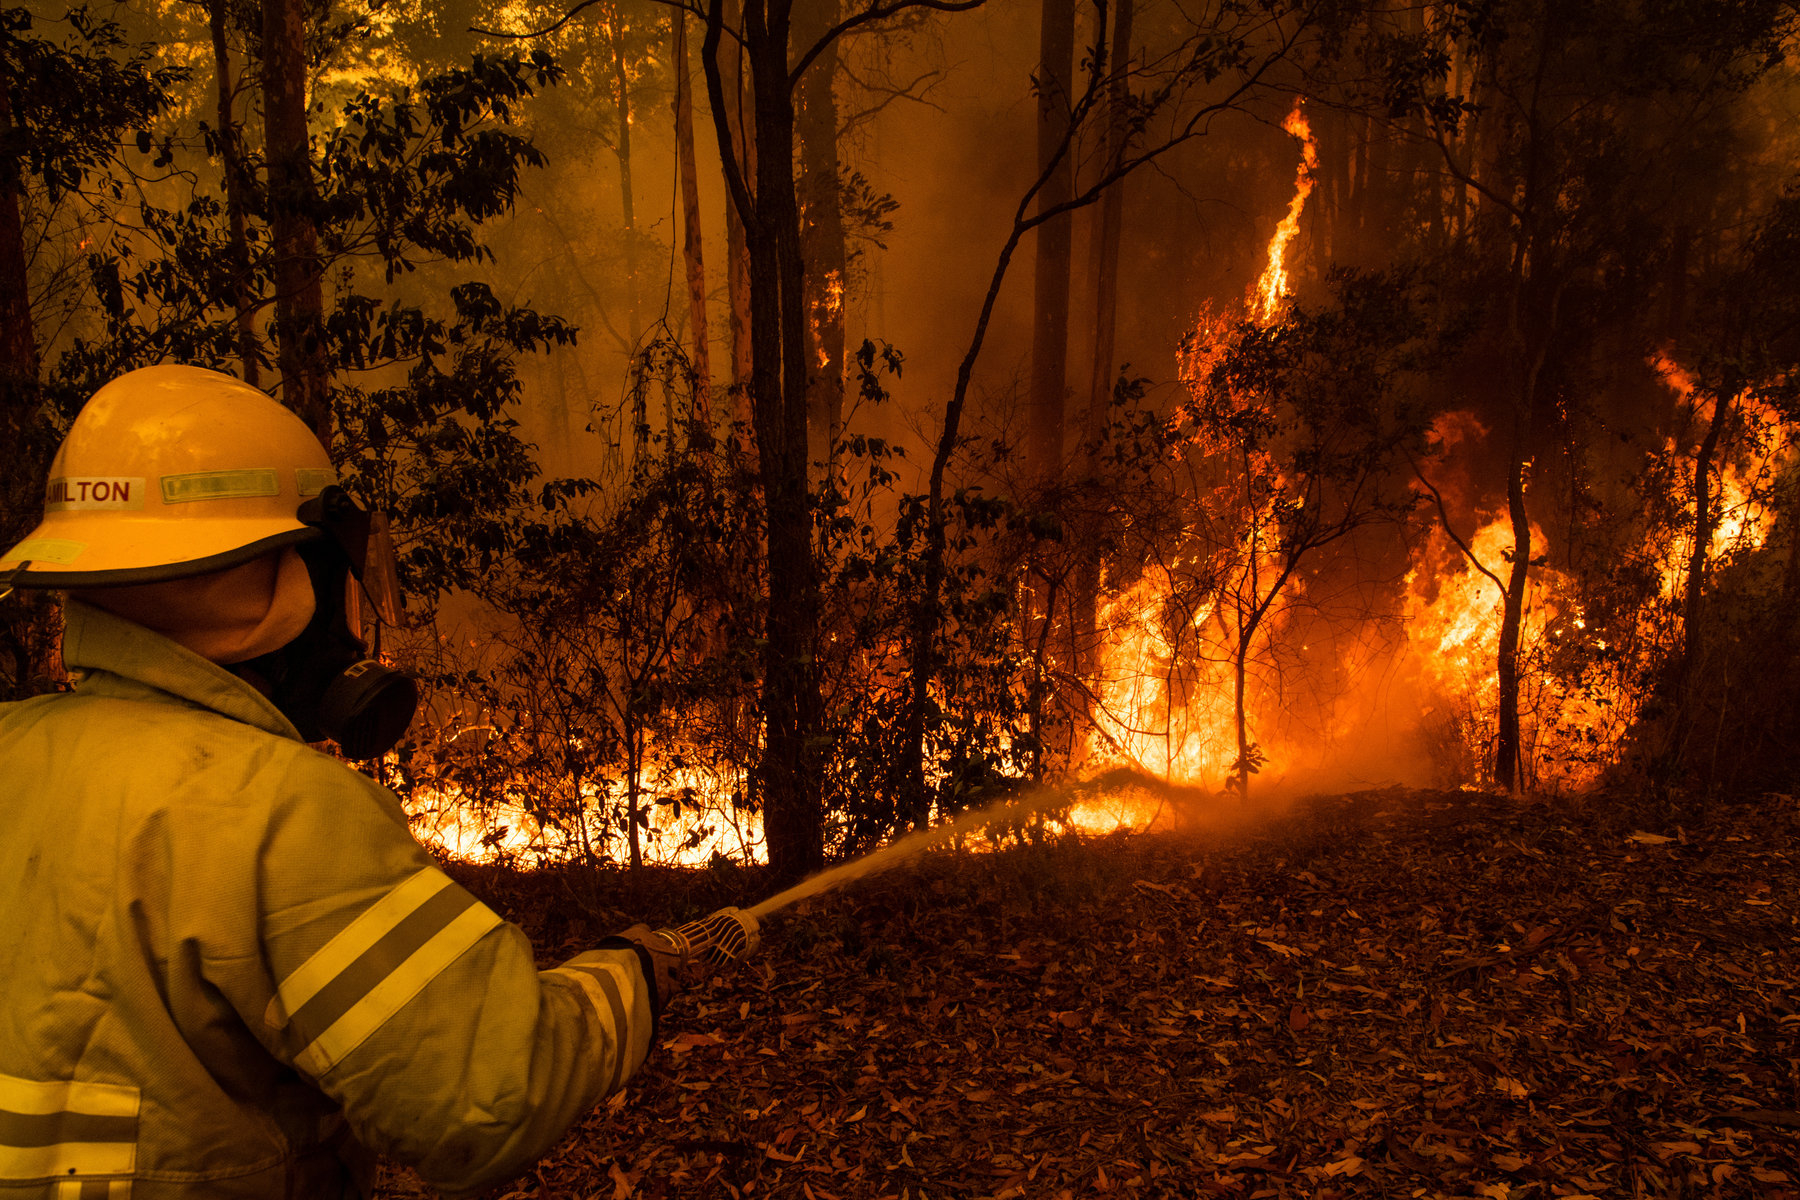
column 1272, row 288
column 1164, row 700
column 1739, row 484
column 826, row 309
column 1166, row 687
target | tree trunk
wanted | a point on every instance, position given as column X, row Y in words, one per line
column 1693, row 603
column 700, row 417
column 299, row 290
column 1050, row 307
column 615, row 36
column 1506, row 740
column 1527, row 360
column 793, row 819
column 1048, row 385
column 822, row 229
column 634, row 761
column 1240, row 677
column 1104, row 260
column 737, row 252
column 28, row 620
column 1791, row 583
column 18, row 334
column 238, row 185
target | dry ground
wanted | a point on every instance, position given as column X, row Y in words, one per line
column 1396, row 994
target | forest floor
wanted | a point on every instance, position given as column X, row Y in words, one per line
column 1393, row 993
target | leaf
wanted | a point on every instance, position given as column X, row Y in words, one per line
column 1649, row 839
column 1346, row 1166
column 1511, row 1088
column 622, row 1184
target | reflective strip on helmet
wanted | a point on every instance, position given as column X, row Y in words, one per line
column 220, row 485
column 66, row 1128
column 313, row 480
column 92, row 493
column 93, row 1189
column 57, row 550
column 363, row 976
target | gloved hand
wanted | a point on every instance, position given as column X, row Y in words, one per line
column 665, row 967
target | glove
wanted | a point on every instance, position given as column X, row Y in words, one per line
column 665, row 966
column 672, row 959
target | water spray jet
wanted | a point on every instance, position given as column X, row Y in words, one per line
column 733, row 934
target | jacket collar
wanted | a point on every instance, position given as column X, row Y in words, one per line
column 123, row 659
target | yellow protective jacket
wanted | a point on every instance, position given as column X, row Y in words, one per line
column 228, row 970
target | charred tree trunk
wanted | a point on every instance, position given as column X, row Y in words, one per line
column 634, row 765
column 1790, row 587
column 1049, row 328
column 793, row 819
column 1693, row 604
column 1050, row 305
column 1506, row 739
column 238, row 186
column 1104, row 259
column 700, row 417
column 615, row 37
column 1540, row 298
column 18, row 333
column 822, row 226
column 299, row 286
column 737, row 252
column 28, row 620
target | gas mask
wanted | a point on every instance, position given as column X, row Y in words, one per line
column 324, row 681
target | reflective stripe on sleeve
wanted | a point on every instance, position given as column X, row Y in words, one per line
column 613, row 994
column 66, row 1128
column 359, row 979
column 93, row 1189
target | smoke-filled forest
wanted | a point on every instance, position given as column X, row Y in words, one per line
column 802, row 424
column 805, row 423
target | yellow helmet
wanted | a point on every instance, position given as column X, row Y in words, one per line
column 170, row 471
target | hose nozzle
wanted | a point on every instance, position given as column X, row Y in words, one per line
column 727, row 936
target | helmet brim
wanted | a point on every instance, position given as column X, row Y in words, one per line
column 20, row 570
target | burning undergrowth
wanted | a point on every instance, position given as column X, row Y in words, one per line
column 1297, row 574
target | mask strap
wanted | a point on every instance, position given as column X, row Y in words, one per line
column 12, row 578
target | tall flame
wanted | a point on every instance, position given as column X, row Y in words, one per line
column 1166, row 683
column 1272, row 288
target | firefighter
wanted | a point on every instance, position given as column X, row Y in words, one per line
column 226, row 967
